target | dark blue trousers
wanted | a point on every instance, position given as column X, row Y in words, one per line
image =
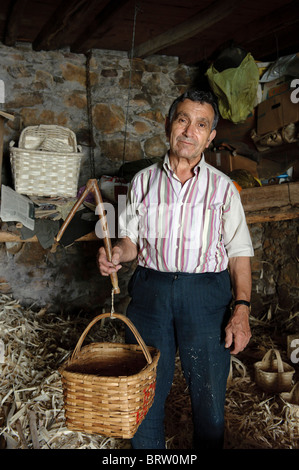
column 187, row 312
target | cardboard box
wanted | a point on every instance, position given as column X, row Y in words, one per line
column 220, row 160
column 226, row 162
column 277, row 111
column 274, row 87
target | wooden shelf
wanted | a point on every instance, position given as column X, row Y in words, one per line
column 14, row 237
column 271, row 203
column 263, row 204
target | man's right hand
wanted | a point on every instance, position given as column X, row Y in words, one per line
column 106, row 267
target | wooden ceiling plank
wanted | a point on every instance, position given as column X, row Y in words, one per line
column 206, row 18
column 106, row 17
column 282, row 18
column 277, row 44
column 260, row 29
column 13, row 22
column 51, row 35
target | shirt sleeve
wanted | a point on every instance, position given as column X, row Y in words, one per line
column 236, row 234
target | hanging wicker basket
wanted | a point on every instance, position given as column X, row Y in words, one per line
column 46, row 162
column 108, row 388
column 273, row 375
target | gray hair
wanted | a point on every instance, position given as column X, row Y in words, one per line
column 198, row 96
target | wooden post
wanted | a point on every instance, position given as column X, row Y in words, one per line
column 1, row 146
column 3, row 116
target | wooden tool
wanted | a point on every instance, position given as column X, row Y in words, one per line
column 92, row 187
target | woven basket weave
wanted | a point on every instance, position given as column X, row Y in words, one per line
column 108, row 388
column 273, row 375
column 46, row 162
column 291, row 399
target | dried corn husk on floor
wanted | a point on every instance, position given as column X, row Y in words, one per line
column 31, row 404
column 256, row 420
column 253, row 419
column 31, row 401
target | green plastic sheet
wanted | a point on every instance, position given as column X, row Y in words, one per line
column 235, row 88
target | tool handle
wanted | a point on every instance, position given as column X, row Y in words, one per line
column 105, row 229
column 92, row 186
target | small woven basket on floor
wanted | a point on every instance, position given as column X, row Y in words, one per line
column 291, row 399
column 273, row 375
column 46, row 162
column 108, row 388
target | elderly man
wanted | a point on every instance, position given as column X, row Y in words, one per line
column 185, row 223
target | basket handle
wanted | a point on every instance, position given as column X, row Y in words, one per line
column 268, row 356
column 295, row 393
column 126, row 320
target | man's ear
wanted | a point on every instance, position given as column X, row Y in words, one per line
column 211, row 137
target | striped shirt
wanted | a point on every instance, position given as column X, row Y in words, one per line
column 191, row 228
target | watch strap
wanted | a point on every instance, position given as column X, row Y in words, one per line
column 242, row 302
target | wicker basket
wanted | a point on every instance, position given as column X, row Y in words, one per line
column 46, row 162
column 108, row 388
column 273, row 375
column 291, row 399
column 237, row 369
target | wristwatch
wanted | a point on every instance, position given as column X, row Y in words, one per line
column 242, row 302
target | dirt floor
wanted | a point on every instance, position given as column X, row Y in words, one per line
column 34, row 344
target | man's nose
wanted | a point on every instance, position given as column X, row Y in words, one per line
column 189, row 129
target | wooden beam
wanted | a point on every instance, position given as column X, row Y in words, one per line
column 65, row 17
column 14, row 237
column 1, row 145
column 294, row 193
column 277, row 44
column 267, row 197
column 206, row 18
column 264, row 204
column 281, row 18
column 3, row 117
column 6, row 115
column 245, row 36
column 98, row 26
column 272, row 215
column 271, row 203
column 13, row 22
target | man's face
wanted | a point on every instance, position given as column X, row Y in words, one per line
column 190, row 132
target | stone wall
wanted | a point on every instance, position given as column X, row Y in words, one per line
column 275, row 275
column 129, row 100
column 50, row 88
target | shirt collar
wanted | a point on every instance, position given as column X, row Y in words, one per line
column 197, row 168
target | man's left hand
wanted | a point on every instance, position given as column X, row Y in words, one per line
column 237, row 330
